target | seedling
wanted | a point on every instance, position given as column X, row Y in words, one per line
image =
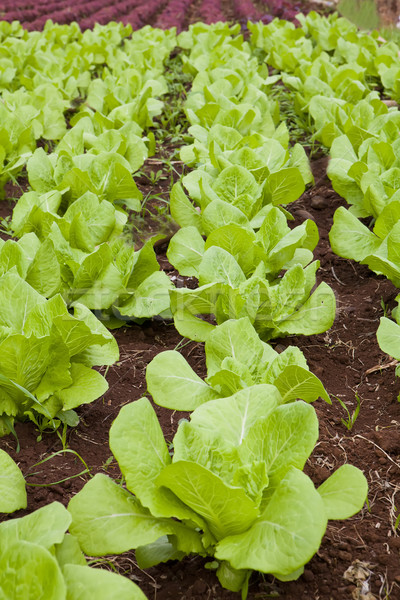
column 155, row 176
column 53, row 455
column 351, row 417
column 385, row 308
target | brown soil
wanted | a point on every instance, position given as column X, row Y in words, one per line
column 389, row 11
column 347, row 359
column 5, row 213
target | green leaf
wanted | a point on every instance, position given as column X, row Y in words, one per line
column 240, row 243
column 226, row 510
column 285, row 185
column 41, row 172
column 107, row 519
column 186, row 304
column 300, row 160
column 44, row 273
column 286, row 437
column 271, row 370
column 237, row 186
column 160, row 551
column 219, row 213
column 150, row 298
column 24, row 360
column 99, row 350
column 182, row 210
column 173, row 383
column 121, row 187
column 315, row 316
column 350, row 238
column 13, row 255
column 29, row 571
column 286, row 534
column 388, row 218
column 97, row 282
column 235, row 338
column 68, row 552
column 344, row 492
column 218, row 265
column 138, row 444
column 190, row 326
column 83, row 582
column 232, row 579
column 185, row 251
column 139, row 265
column 296, row 382
column 303, row 237
column 232, row 418
column 388, row 336
column 12, row 485
column 44, row 527
column 87, row 385
column 17, row 299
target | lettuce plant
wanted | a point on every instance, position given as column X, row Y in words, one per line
column 236, row 358
column 332, row 70
column 106, row 174
column 85, row 224
column 201, row 40
column 379, row 249
column 229, row 221
column 113, row 279
column 267, row 172
column 238, row 276
column 367, row 176
column 324, row 78
column 234, row 489
column 286, row 307
column 39, row 560
column 46, row 354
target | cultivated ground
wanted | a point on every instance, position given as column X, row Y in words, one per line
column 360, row 558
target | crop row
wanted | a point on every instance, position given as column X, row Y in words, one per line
column 70, row 221
column 69, row 226
column 337, row 76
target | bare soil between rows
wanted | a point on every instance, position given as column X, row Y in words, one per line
column 348, row 361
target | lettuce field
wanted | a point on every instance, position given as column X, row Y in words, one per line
column 199, row 289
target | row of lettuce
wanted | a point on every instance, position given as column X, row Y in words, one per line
column 234, row 489
column 337, row 77
column 71, row 254
column 74, row 110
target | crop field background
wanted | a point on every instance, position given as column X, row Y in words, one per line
column 158, row 13
column 359, row 557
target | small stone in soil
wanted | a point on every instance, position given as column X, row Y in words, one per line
column 395, row 543
column 345, row 556
column 319, row 202
column 304, row 215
